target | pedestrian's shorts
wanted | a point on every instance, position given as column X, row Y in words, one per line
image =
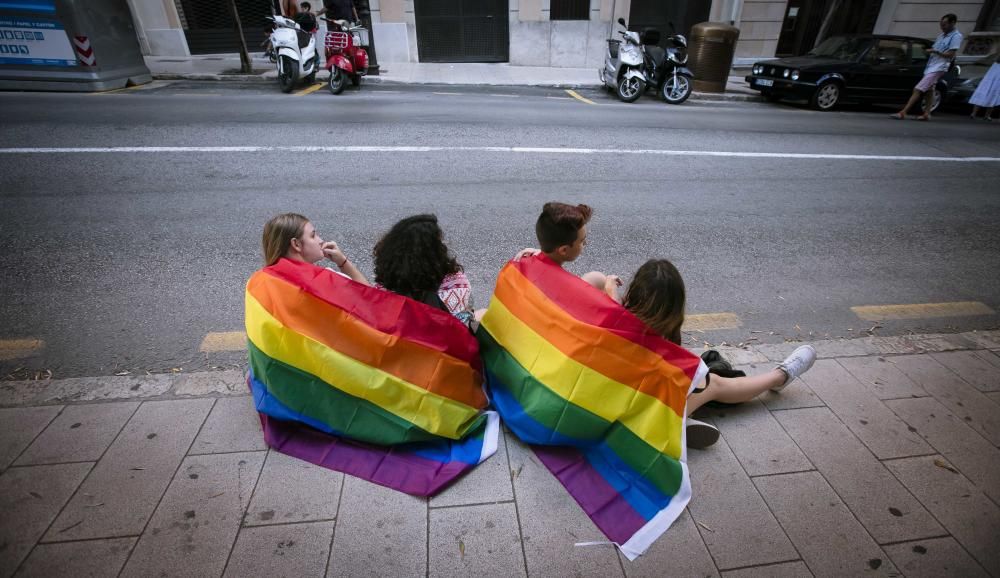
column 929, row 80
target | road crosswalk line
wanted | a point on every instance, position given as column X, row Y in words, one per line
column 921, row 310
column 224, row 341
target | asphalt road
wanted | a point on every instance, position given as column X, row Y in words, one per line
column 124, row 261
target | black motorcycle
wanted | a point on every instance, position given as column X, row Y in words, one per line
column 667, row 68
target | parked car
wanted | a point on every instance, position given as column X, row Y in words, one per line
column 854, row 68
column 967, row 81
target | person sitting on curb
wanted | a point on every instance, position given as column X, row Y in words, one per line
column 656, row 296
column 292, row 236
column 412, row 260
column 939, row 60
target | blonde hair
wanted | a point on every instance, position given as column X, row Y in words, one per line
column 656, row 296
column 278, row 235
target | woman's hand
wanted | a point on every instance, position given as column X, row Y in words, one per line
column 529, row 252
column 332, row 252
column 611, row 285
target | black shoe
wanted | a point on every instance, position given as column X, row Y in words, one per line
column 700, row 435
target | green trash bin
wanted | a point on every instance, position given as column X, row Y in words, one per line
column 710, row 55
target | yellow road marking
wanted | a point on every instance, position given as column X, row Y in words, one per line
column 122, row 89
column 309, row 90
column 711, row 321
column 224, row 341
column 921, row 310
column 18, row 348
column 574, row 94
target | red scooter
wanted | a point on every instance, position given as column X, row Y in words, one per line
column 344, row 56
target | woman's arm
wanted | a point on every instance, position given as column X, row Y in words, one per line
column 333, row 253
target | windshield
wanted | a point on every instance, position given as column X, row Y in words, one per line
column 841, row 48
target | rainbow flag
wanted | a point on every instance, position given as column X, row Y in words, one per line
column 600, row 396
column 365, row 381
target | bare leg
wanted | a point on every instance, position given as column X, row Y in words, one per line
column 928, row 102
column 910, row 104
column 596, row 279
column 988, row 115
column 735, row 389
column 975, row 111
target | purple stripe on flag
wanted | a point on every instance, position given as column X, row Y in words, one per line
column 606, row 507
column 384, row 466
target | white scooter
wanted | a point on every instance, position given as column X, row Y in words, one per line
column 294, row 50
column 623, row 69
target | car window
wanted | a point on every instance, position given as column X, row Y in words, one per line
column 888, row 52
column 841, row 48
column 918, row 52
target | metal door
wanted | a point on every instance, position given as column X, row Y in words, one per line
column 462, row 30
column 209, row 29
column 660, row 14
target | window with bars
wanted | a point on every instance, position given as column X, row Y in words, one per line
column 569, row 10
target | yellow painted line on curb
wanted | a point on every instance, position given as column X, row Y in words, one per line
column 921, row 310
column 711, row 321
column 309, row 90
column 224, row 341
column 18, row 348
column 574, row 94
column 122, row 89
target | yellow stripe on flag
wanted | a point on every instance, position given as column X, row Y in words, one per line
column 647, row 417
column 435, row 414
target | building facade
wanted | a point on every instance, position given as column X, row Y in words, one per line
column 567, row 33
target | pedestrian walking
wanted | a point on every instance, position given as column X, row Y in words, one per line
column 987, row 94
column 939, row 59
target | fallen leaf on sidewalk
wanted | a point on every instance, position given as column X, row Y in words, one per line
column 216, row 495
column 461, row 549
column 93, row 505
column 706, row 527
column 942, row 464
column 126, row 372
column 35, row 495
column 138, row 469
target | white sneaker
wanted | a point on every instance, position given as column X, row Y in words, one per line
column 796, row 364
column 700, row 435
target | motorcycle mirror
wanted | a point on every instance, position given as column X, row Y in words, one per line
column 621, row 21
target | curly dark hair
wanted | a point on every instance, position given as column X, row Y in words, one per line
column 412, row 259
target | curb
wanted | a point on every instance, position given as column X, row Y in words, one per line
column 703, row 96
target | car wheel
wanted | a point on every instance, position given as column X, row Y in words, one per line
column 936, row 103
column 826, row 96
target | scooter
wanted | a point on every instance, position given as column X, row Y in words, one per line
column 623, row 69
column 294, row 51
column 668, row 68
column 345, row 57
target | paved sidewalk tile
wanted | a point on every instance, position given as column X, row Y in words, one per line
column 552, row 522
column 81, row 433
column 119, row 496
column 758, row 441
column 875, row 425
column 487, row 482
column 743, row 530
column 194, row 527
column 297, row 550
column 292, row 490
column 972, row 454
column 966, row 512
column 985, row 339
column 796, row 395
column 884, row 379
column 831, row 540
column 934, row 558
column 475, row 541
column 233, row 426
column 963, row 400
column 796, row 569
column 19, row 426
column 994, row 395
column 90, row 558
column 879, row 501
column 678, row 552
column 976, row 367
column 30, row 498
column 201, row 383
column 380, row 532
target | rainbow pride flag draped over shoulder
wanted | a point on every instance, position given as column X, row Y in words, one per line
column 600, row 396
column 365, row 381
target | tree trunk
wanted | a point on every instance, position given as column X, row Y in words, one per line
column 246, row 67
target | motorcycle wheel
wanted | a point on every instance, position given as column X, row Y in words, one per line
column 676, row 89
column 629, row 89
column 356, row 80
column 336, row 81
column 288, row 74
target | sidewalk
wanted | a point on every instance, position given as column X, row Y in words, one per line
column 883, row 460
column 227, row 66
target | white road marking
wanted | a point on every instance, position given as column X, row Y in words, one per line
column 507, row 95
column 450, row 93
column 519, row 150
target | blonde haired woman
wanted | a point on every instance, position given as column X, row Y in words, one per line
column 292, row 236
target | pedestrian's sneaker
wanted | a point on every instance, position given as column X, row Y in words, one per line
column 796, row 364
column 700, row 435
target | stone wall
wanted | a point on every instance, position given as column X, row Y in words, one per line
column 760, row 27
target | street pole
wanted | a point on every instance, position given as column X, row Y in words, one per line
column 245, row 65
column 365, row 14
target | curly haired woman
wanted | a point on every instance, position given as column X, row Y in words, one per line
column 412, row 260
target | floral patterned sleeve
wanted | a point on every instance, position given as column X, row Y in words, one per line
column 456, row 294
